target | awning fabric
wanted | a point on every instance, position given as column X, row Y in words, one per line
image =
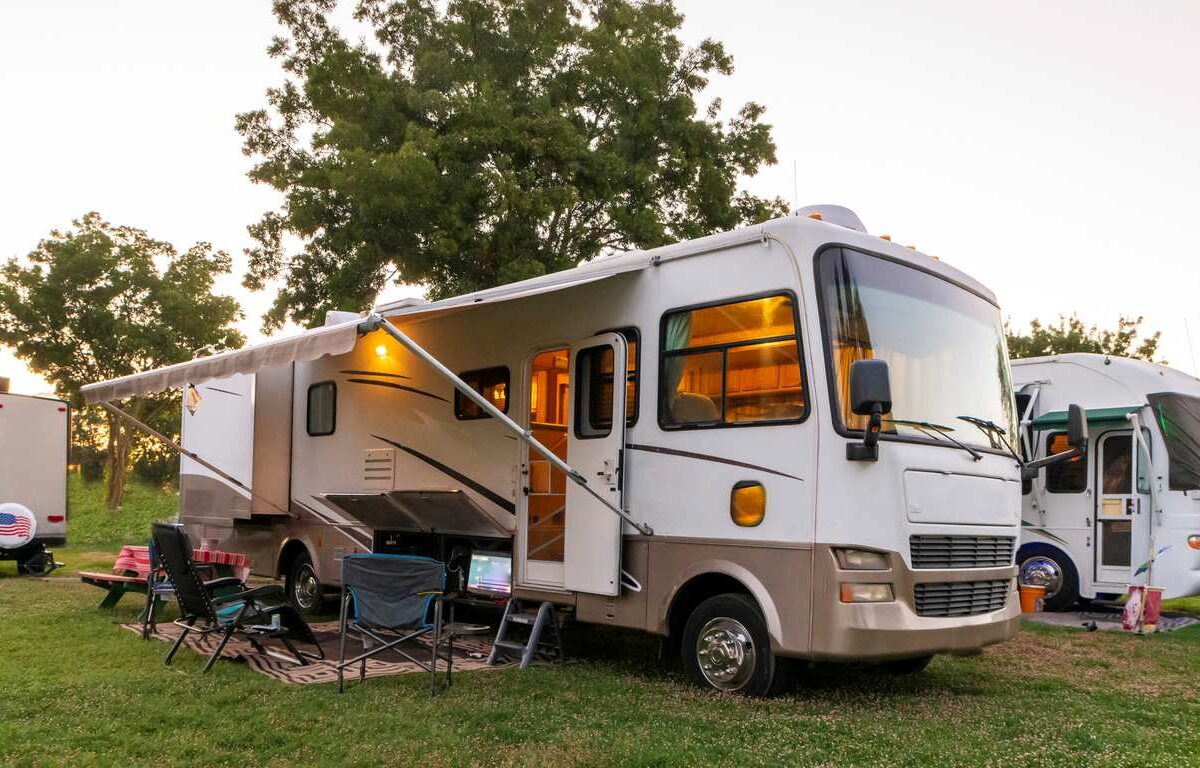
column 1117, row 415
column 339, row 339
column 310, row 345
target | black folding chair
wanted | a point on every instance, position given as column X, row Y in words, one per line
column 388, row 600
column 262, row 612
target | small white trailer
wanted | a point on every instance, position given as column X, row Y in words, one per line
column 1129, row 511
column 779, row 442
column 34, row 445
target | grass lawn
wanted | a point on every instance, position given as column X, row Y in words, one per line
column 76, row 689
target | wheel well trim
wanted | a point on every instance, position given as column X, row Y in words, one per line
column 739, row 573
column 289, row 543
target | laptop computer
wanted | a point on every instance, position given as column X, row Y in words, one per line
column 490, row 574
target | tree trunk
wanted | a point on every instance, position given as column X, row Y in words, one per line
column 118, row 459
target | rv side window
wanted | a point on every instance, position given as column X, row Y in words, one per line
column 492, row 383
column 731, row 364
column 1068, row 476
column 322, row 409
column 633, row 346
column 594, row 403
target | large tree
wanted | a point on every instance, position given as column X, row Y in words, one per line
column 101, row 301
column 1071, row 335
column 478, row 142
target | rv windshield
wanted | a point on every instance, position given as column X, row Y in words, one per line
column 944, row 346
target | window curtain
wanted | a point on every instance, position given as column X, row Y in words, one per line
column 679, row 335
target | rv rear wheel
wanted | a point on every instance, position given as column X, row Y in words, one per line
column 304, row 586
column 725, row 647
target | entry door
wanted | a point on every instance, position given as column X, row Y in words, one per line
column 595, row 441
column 1117, row 507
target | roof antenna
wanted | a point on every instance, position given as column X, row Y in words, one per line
column 1188, row 331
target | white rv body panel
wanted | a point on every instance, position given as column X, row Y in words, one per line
column 1073, row 522
column 34, row 446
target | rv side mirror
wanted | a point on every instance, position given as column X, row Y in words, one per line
column 1077, row 438
column 870, row 387
column 870, row 395
column 1077, row 432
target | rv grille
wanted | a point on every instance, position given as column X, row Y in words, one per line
column 961, row 551
column 961, row 598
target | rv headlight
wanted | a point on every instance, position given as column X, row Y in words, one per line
column 867, row 593
column 861, row 560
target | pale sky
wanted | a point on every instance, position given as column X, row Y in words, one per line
column 1049, row 149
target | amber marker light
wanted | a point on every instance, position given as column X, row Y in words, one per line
column 381, row 351
column 1194, row 541
column 867, row 593
column 748, row 503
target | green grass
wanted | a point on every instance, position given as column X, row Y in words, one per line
column 76, row 689
column 91, row 525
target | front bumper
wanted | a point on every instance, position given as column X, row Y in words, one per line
column 894, row 630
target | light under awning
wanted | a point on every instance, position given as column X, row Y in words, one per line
column 310, row 345
column 1055, row 419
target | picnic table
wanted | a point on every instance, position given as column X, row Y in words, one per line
column 131, row 571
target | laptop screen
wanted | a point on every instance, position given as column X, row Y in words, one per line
column 490, row 574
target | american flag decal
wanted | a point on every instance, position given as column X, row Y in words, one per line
column 14, row 525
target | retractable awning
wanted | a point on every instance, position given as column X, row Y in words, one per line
column 310, row 345
column 339, row 339
column 1056, row 419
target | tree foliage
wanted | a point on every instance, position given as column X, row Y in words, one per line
column 478, row 142
column 1071, row 335
column 102, row 301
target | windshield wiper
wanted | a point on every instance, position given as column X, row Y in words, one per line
column 994, row 431
column 929, row 429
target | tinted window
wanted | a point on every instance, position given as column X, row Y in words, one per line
column 731, row 364
column 492, row 383
column 594, row 401
column 322, row 409
column 1068, row 476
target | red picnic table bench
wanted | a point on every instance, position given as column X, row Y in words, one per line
column 131, row 571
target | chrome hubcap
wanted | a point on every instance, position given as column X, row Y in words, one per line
column 725, row 651
column 306, row 587
column 1041, row 571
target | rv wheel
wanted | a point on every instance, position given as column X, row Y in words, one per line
column 725, row 647
column 303, row 585
column 1044, row 566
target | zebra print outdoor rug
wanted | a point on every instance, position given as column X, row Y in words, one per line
column 470, row 653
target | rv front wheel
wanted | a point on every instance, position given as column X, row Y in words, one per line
column 725, row 647
column 304, row 586
column 1044, row 566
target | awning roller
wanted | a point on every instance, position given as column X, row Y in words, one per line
column 310, row 345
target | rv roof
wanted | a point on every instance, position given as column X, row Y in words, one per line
column 818, row 231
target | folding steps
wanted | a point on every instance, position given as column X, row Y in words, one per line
column 540, row 628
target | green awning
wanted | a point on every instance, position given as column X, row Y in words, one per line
column 1058, row 419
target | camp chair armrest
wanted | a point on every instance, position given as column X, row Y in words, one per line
column 222, row 583
column 253, row 595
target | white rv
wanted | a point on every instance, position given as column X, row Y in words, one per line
column 1129, row 511
column 697, row 441
column 34, row 441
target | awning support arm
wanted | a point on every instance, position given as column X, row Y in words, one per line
column 376, row 322
column 191, row 455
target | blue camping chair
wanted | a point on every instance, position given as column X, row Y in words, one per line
column 388, row 600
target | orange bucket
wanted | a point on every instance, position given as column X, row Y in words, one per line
column 1031, row 598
